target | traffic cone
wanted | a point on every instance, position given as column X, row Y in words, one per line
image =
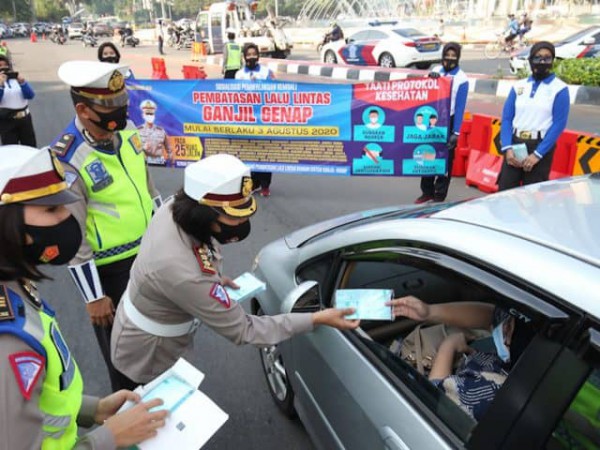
column 43, row 36
column 33, row 37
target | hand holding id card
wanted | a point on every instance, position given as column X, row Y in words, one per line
column 370, row 304
column 520, row 151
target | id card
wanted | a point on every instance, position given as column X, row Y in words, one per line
column 172, row 391
column 520, row 151
column 370, row 304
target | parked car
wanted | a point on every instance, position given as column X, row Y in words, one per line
column 5, row 31
column 385, row 46
column 102, row 29
column 532, row 251
column 21, row 29
column 584, row 44
column 74, row 30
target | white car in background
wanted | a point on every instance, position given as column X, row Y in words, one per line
column 584, row 44
column 385, row 46
column 75, row 30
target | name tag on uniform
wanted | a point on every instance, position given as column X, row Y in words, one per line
column 101, row 179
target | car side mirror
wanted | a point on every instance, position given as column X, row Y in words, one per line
column 303, row 298
column 588, row 41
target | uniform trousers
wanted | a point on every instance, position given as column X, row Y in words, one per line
column 511, row 177
column 437, row 186
column 18, row 131
column 261, row 179
column 230, row 74
column 114, row 278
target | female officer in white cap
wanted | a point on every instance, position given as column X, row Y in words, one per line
column 177, row 281
column 41, row 399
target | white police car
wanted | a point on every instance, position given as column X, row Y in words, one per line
column 385, row 46
column 584, row 44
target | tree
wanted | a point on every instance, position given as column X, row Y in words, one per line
column 51, row 10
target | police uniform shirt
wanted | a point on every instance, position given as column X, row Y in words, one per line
column 22, row 419
column 154, row 140
column 536, row 107
column 260, row 73
column 458, row 97
column 169, row 285
column 79, row 209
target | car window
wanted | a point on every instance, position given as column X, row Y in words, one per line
column 407, row 348
column 408, row 32
column 597, row 38
column 360, row 36
column 375, row 35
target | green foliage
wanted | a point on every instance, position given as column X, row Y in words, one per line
column 584, row 71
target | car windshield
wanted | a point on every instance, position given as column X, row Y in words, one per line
column 575, row 37
column 408, row 33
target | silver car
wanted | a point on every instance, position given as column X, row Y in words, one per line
column 533, row 251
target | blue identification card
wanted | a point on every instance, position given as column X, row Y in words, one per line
column 172, row 391
column 520, row 151
column 249, row 287
column 370, row 304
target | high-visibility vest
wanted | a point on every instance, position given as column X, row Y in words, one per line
column 62, row 387
column 119, row 205
column 234, row 56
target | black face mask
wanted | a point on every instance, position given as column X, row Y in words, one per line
column 55, row 245
column 251, row 63
column 112, row 121
column 540, row 70
column 449, row 64
column 232, row 233
column 110, row 59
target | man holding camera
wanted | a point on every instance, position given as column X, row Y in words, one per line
column 16, row 126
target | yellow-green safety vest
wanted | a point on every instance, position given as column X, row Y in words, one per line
column 62, row 388
column 234, row 56
column 3, row 50
column 119, row 204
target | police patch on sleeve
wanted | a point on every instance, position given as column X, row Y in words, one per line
column 27, row 368
column 218, row 292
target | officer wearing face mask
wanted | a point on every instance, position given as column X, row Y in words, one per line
column 105, row 162
column 177, row 280
column 154, row 138
column 534, row 116
column 436, row 187
column 41, row 388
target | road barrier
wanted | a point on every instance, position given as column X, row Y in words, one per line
column 159, row 69
column 479, row 159
column 193, row 72
column 198, row 50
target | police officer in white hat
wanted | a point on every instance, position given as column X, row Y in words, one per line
column 177, row 280
column 40, row 383
column 105, row 161
column 154, row 138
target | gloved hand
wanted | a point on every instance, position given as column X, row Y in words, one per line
column 434, row 75
column 452, row 141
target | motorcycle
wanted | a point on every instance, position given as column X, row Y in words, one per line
column 89, row 40
column 58, row 38
column 326, row 39
column 186, row 40
column 130, row 40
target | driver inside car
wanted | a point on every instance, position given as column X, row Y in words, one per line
column 480, row 375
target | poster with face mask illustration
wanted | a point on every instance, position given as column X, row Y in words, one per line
column 380, row 128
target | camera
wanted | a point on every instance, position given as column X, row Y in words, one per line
column 12, row 75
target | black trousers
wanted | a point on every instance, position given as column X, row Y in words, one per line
column 114, row 278
column 230, row 74
column 18, row 131
column 160, row 45
column 261, row 179
column 437, row 186
column 511, row 177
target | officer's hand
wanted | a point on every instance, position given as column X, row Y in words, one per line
column 226, row 281
column 529, row 162
column 511, row 160
column 136, row 424
column 21, row 79
column 101, row 311
column 452, row 141
column 108, row 406
column 434, row 74
column 336, row 318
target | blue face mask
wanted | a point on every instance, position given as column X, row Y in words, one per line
column 501, row 348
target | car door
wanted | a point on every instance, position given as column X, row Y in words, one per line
column 353, row 52
column 353, row 393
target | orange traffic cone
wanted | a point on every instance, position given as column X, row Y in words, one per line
column 43, row 36
column 33, row 37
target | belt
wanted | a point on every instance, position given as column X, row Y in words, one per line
column 21, row 114
column 150, row 326
column 114, row 251
column 529, row 135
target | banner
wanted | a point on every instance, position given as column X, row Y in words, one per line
column 387, row 128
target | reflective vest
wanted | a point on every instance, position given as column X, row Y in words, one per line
column 119, row 205
column 62, row 387
column 3, row 50
column 234, row 56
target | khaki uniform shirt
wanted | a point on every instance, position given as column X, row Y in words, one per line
column 168, row 284
column 155, row 143
column 20, row 419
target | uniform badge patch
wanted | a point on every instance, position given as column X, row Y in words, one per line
column 50, row 253
column 27, row 368
column 136, row 143
column 99, row 175
column 204, row 260
column 219, row 293
column 6, row 312
column 63, row 145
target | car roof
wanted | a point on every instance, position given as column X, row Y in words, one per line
column 563, row 215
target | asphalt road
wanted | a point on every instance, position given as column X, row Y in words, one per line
column 234, row 378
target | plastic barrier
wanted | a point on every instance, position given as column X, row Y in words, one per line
column 33, row 37
column 193, row 73
column 159, row 69
column 198, row 50
column 564, row 155
column 483, row 169
column 587, row 155
column 461, row 153
column 481, row 133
